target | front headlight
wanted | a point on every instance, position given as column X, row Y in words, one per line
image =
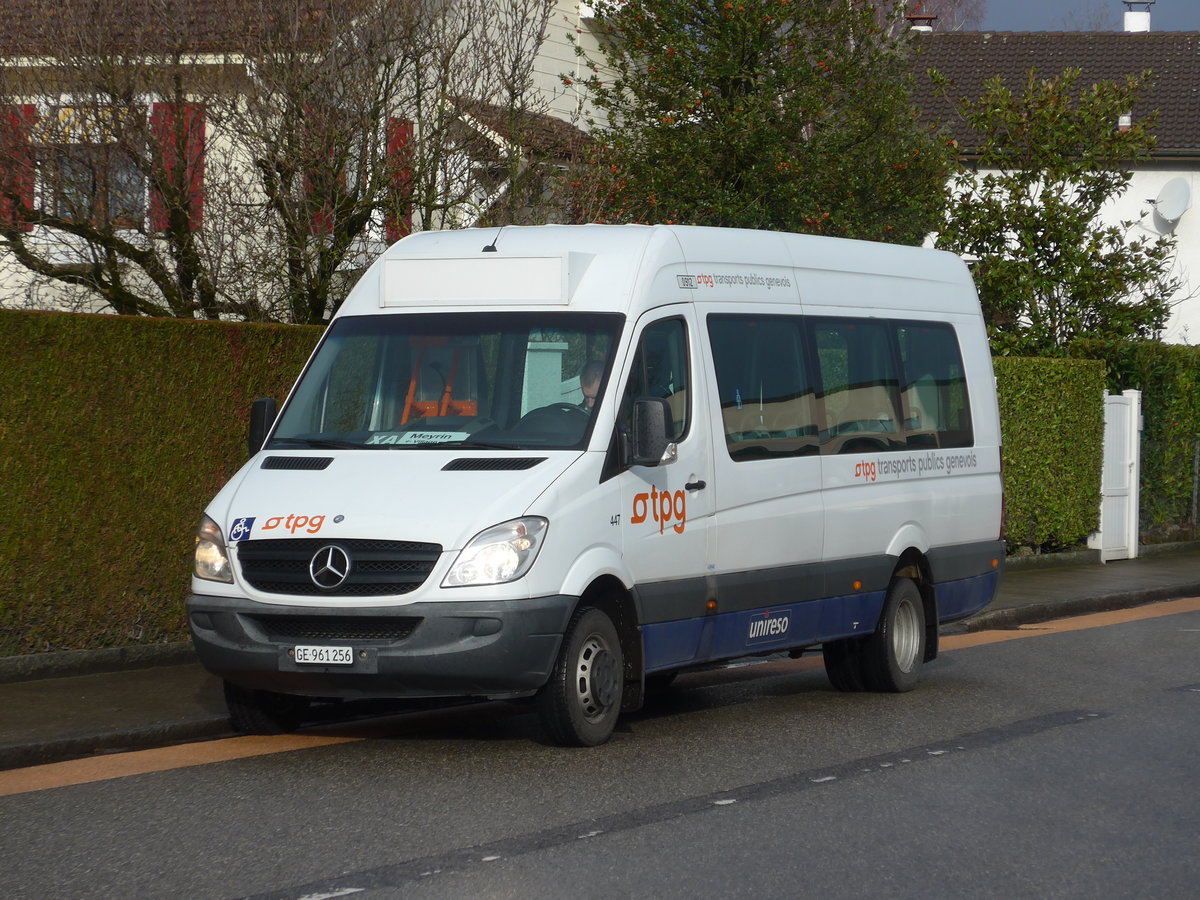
column 498, row 554
column 211, row 562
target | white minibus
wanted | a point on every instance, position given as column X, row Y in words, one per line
column 564, row 463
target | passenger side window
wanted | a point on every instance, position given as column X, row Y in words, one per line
column 934, row 399
column 660, row 369
column 859, row 382
column 768, row 407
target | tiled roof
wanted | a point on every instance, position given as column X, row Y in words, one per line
column 968, row 58
column 43, row 27
column 539, row 134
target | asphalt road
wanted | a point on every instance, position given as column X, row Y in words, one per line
column 1058, row 765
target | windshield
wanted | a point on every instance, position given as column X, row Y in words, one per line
column 482, row 380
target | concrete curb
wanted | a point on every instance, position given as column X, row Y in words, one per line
column 36, row 753
column 1032, row 613
column 68, row 663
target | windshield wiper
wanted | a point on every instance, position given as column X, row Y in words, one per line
column 480, row 445
column 323, row 443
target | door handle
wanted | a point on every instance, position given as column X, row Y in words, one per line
column 695, row 486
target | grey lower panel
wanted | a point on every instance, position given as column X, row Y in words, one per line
column 453, row 649
column 966, row 560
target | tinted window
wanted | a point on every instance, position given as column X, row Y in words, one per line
column 660, row 369
column 933, row 398
column 860, row 385
column 768, row 408
column 793, row 385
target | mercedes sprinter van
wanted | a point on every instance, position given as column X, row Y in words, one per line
column 559, row 462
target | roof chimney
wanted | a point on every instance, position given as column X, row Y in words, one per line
column 923, row 24
column 1137, row 15
column 919, row 20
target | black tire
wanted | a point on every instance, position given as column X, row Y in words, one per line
column 892, row 656
column 263, row 712
column 580, row 703
column 843, row 664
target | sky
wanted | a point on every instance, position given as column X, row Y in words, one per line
column 1056, row 15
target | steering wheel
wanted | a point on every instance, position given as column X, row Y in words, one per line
column 567, row 407
column 554, row 413
column 556, row 417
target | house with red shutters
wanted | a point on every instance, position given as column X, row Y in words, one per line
column 218, row 158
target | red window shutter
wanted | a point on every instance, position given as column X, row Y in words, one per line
column 399, row 159
column 321, row 127
column 16, row 163
column 178, row 130
column 322, row 217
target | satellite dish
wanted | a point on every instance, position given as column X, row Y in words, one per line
column 1173, row 200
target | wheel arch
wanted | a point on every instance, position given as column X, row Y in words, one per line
column 609, row 595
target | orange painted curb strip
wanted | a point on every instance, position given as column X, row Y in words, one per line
column 160, row 759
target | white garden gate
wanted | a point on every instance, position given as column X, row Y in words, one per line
column 1119, row 494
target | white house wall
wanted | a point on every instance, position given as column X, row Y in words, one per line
column 558, row 59
column 1184, row 324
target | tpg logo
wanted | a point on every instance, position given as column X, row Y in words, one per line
column 866, row 471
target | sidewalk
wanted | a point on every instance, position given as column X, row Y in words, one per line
column 61, row 706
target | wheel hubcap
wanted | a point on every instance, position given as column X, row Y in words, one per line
column 596, row 678
column 906, row 636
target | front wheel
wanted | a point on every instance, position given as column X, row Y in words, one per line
column 580, row 703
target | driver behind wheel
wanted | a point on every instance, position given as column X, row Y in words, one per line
column 589, row 382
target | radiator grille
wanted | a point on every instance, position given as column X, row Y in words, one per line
column 376, row 568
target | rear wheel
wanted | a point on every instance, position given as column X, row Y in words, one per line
column 893, row 655
column 843, row 664
column 580, row 703
column 263, row 712
column 890, row 659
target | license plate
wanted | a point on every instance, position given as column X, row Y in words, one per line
column 324, row 656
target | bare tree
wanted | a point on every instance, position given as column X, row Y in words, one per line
column 249, row 166
column 99, row 191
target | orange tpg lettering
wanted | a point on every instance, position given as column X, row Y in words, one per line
column 293, row 523
column 663, row 506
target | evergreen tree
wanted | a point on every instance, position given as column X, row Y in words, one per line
column 777, row 114
column 1048, row 161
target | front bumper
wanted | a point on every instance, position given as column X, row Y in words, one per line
column 504, row 648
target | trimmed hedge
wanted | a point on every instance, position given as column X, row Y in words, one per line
column 1168, row 375
column 1052, row 423
column 115, row 433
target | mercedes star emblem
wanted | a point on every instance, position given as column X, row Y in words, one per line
column 329, row 567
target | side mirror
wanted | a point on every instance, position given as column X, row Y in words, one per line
column 262, row 416
column 649, row 443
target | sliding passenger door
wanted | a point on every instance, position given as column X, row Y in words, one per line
column 768, row 508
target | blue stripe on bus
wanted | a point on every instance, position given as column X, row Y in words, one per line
column 957, row 599
column 690, row 641
column 669, row 645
